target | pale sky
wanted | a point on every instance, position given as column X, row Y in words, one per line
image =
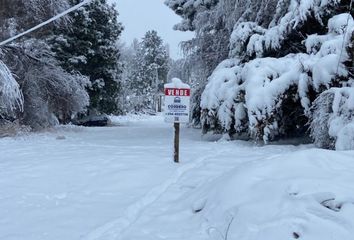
column 139, row 16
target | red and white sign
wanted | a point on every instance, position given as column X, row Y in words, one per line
column 185, row 92
column 177, row 102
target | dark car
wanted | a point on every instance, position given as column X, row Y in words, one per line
column 93, row 121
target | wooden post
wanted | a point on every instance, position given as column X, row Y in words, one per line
column 176, row 152
column 160, row 104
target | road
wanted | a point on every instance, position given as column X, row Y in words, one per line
column 111, row 183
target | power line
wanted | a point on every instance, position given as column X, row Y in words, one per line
column 74, row 8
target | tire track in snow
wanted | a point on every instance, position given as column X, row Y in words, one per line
column 112, row 230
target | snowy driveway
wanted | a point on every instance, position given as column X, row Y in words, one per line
column 110, row 183
column 61, row 189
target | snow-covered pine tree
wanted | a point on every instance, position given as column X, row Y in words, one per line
column 90, row 46
column 283, row 54
column 209, row 46
column 151, row 66
column 155, row 59
column 181, row 69
column 130, row 64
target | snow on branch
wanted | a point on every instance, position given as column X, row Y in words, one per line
column 250, row 96
column 11, row 98
column 263, row 39
column 332, row 119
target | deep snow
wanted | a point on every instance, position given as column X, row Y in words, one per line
column 121, row 183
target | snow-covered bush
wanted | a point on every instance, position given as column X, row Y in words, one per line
column 50, row 93
column 270, row 97
column 250, row 97
column 52, row 96
column 219, row 99
column 332, row 121
column 321, row 114
column 10, row 128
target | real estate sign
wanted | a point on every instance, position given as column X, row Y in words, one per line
column 177, row 102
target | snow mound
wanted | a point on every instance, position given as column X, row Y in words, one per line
column 306, row 195
column 132, row 118
column 176, row 83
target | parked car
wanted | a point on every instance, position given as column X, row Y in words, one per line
column 94, row 121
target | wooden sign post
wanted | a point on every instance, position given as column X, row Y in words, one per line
column 176, row 141
column 177, row 98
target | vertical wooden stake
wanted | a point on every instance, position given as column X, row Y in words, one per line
column 159, row 108
column 176, row 151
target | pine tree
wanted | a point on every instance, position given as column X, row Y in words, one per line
column 280, row 56
column 151, row 63
column 210, row 45
column 90, row 46
column 155, row 60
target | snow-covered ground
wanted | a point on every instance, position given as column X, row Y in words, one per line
column 120, row 183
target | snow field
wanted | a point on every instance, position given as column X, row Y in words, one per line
column 305, row 194
column 61, row 189
column 120, row 183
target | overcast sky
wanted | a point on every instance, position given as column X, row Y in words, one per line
column 139, row 16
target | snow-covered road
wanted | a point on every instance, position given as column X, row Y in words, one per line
column 62, row 189
column 116, row 183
